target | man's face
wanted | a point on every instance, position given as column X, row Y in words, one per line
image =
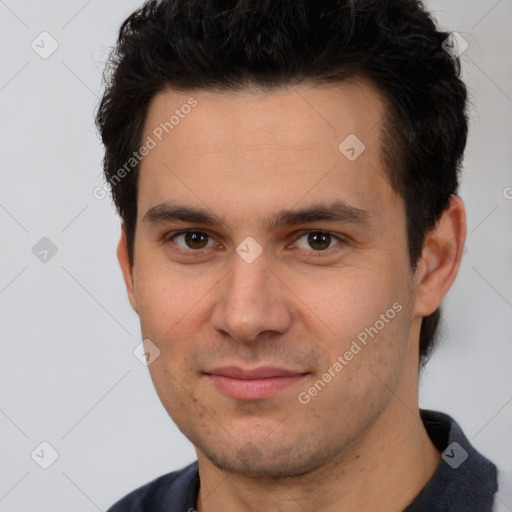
column 247, row 159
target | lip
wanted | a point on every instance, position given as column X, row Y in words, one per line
column 255, row 383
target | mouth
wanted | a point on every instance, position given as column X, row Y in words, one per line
column 253, row 384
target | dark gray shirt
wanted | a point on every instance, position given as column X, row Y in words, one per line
column 465, row 481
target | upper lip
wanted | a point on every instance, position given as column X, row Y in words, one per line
column 263, row 372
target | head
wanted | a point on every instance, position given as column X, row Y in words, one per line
column 230, row 117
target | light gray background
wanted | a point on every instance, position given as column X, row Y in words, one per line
column 68, row 374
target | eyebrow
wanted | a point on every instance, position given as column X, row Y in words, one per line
column 338, row 211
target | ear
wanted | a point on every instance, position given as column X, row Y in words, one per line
column 440, row 259
column 126, row 267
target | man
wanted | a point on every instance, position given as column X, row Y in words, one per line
column 286, row 174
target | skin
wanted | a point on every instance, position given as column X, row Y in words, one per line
column 359, row 444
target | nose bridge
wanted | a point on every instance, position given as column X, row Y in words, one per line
column 247, row 286
column 251, row 302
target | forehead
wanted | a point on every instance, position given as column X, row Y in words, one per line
column 251, row 149
column 290, row 117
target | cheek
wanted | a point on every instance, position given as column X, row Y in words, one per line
column 165, row 296
column 175, row 390
column 174, row 308
column 348, row 299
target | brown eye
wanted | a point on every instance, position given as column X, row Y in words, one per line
column 317, row 240
column 193, row 240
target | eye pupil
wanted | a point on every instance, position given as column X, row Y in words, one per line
column 196, row 240
column 319, row 241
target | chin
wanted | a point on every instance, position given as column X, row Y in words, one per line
column 250, row 461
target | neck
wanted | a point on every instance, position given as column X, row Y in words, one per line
column 384, row 471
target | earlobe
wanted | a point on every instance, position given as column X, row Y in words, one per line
column 441, row 258
column 126, row 267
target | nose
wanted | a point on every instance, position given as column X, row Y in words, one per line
column 252, row 301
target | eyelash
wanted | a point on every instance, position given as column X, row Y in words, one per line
column 198, row 252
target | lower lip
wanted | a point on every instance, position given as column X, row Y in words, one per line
column 253, row 389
